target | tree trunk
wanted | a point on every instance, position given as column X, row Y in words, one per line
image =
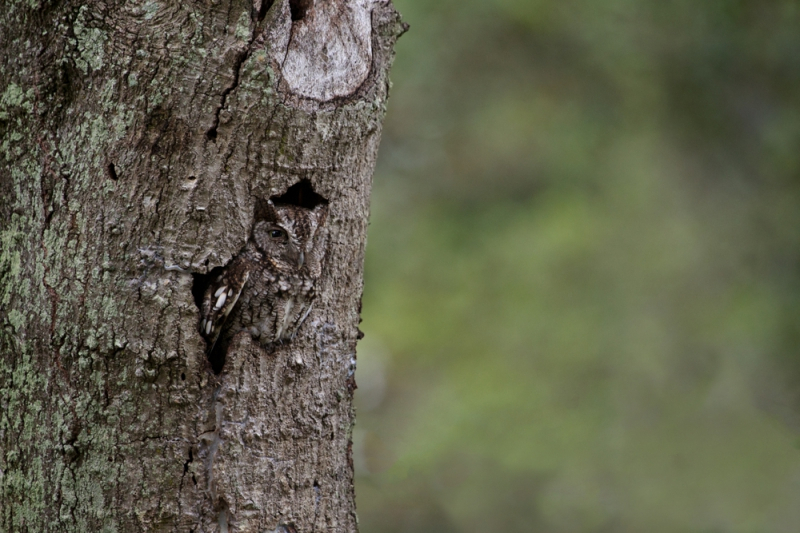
column 138, row 139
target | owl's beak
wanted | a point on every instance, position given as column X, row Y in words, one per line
column 301, row 259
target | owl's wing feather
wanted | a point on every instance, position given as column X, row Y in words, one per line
column 220, row 298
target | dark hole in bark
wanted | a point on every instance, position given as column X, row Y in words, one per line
column 262, row 11
column 112, row 172
column 217, row 355
column 200, row 282
column 183, row 376
column 194, row 479
column 299, row 8
column 192, row 178
column 301, row 194
column 186, row 464
column 211, row 134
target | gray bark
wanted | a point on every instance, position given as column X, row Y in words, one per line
column 136, row 139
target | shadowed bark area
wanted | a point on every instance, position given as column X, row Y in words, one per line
column 137, row 139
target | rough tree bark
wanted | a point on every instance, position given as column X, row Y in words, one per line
column 137, row 138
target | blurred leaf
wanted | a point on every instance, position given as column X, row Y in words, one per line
column 583, row 271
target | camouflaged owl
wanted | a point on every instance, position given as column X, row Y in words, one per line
column 268, row 289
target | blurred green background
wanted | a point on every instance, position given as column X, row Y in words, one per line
column 582, row 286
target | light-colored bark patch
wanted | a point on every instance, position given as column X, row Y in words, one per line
column 330, row 51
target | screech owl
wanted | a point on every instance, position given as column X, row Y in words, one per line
column 268, row 289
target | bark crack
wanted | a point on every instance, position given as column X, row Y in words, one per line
column 241, row 57
column 186, row 470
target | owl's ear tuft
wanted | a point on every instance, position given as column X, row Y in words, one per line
column 269, row 211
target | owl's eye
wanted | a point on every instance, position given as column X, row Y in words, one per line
column 277, row 234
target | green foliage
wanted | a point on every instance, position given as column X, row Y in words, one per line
column 582, row 276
